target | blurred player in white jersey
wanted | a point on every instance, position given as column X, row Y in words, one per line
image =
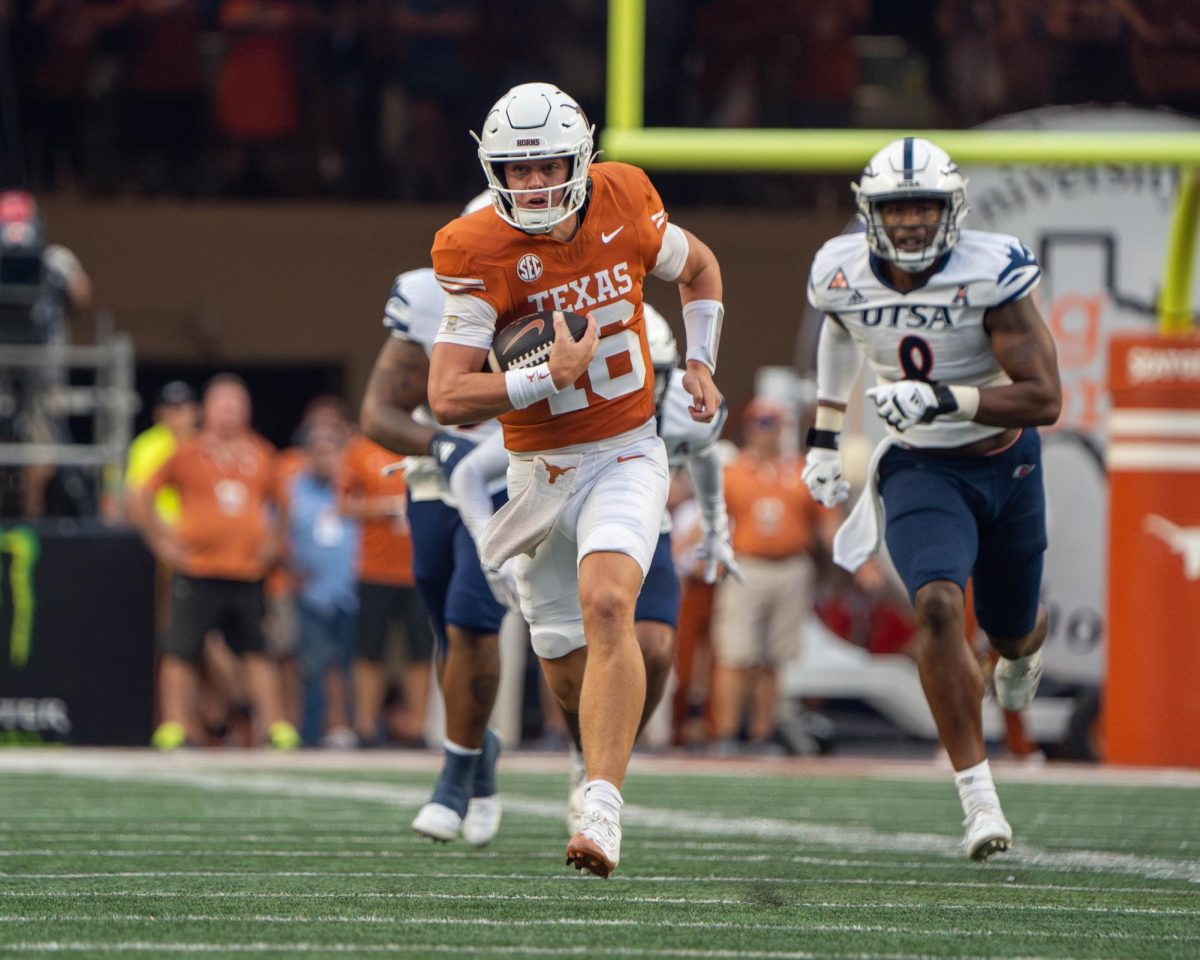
column 465, row 614
column 966, row 371
column 689, row 444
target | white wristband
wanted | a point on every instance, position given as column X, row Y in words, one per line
column 529, row 385
column 702, row 320
column 829, row 418
column 968, row 402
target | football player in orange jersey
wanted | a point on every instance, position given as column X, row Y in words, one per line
column 588, row 473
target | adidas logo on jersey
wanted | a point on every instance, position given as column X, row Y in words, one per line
column 856, row 297
column 960, row 298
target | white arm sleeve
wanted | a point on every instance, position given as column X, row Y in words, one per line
column 672, row 255
column 708, row 480
column 470, row 480
column 468, row 321
column 838, row 363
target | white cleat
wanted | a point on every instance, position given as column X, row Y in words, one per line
column 596, row 846
column 987, row 832
column 576, row 787
column 482, row 822
column 437, row 822
column 1017, row 680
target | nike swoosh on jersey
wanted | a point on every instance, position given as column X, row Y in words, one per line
column 630, row 456
column 609, row 237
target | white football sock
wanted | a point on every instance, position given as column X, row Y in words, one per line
column 975, row 786
column 604, row 795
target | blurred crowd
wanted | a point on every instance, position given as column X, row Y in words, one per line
column 374, row 98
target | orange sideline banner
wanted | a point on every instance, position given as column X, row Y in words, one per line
column 1152, row 691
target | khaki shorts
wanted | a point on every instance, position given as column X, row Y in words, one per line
column 761, row 622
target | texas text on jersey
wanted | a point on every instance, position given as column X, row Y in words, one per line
column 494, row 274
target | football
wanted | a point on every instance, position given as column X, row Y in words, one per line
column 526, row 342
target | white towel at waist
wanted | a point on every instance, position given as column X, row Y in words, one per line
column 539, row 492
column 858, row 536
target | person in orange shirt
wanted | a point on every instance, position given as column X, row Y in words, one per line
column 758, row 626
column 221, row 549
column 387, row 596
column 587, row 472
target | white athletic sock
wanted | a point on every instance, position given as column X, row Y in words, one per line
column 975, row 786
column 604, row 795
column 452, row 747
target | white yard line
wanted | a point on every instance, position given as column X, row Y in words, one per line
column 590, row 923
column 470, row 950
column 904, row 906
column 620, row 878
column 73, row 760
column 824, row 835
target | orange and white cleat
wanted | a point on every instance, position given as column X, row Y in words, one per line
column 596, row 847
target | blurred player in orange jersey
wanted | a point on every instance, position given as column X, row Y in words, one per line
column 386, row 592
column 588, row 473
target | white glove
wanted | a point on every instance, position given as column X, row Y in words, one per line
column 823, row 474
column 503, row 584
column 906, row 403
column 716, row 552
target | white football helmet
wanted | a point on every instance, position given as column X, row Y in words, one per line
column 912, row 168
column 664, row 354
column 536, row 121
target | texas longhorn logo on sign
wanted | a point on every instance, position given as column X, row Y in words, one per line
column 1182, row 540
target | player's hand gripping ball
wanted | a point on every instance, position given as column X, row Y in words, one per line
column 526, row 342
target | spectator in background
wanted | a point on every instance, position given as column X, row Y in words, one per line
column 387, row 596
column 322, row 553
column 428, row 98
column 257, row 98
column 175, row 421
column 221, row 549
column 42, row 285
column 282, row 624
column 175, row 416
column 758, row 626
column 1166, row 52
column 167, row 94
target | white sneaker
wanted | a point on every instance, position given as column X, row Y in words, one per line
column 437, row 822
column 576, row 786
column 596, row 846
column 987, row 831
column 1017, row 680
column 482, row 822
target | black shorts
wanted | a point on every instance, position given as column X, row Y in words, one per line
column 381, row 605
column 201, row 604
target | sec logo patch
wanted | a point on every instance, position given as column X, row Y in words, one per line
column 529, row 267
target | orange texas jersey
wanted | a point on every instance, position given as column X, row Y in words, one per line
column 600, row 271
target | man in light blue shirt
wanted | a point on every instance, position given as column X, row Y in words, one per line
column 323, row 548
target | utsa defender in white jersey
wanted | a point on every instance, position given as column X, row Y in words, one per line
column 690, row 444
column 465, row 614
column 967, row 371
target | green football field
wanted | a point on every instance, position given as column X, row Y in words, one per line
column 131, row 854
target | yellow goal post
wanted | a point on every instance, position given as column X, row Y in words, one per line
column 731, row 150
